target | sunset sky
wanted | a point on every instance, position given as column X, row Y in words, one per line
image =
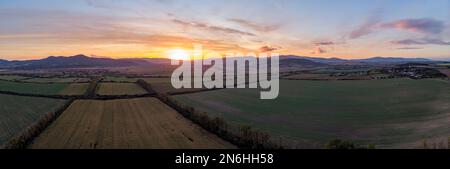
column 31, row 29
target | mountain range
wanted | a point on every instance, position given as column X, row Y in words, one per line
column 82, row 61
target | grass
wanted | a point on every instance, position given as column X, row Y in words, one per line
column 33, row 88
column 126, row 123
column 388, row 113
column 19, row 112
column 109, row 89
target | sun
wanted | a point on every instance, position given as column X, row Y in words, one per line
column 179, row 54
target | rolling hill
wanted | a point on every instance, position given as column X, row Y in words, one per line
column 77, row 61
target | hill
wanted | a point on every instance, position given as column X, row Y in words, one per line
column 77, row 61
column 392, row 59
column 296, row 62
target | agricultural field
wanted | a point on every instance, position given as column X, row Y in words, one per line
column 119, row 79
column 164, row 85
column 33, row 88
column 311, row 76
column 19, row 112
column 12, row 77
column 58, row 80
column 109, row 89
column 337, row 76
column 75, row 89
column 394, row 113
column 127, row 123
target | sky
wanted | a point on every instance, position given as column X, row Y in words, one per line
column 31, row 29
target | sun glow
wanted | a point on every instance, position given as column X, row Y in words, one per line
column 179, row 54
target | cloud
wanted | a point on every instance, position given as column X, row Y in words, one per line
column 211, row 27
column 255, row 26
column 268, row 48
column 423, row 25
column 319, row 50
column 423, row 41
column 409, row 48
column 365, row 28
column 324, row 43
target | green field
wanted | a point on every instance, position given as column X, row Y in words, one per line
column 387, row 113
column 19, row 112
column 33, row 88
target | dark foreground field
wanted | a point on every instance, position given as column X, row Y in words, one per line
column 19, row 112
column 396, row 113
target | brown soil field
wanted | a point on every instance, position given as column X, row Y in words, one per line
column 75, row 89
column 109, row 89
column 125, row 124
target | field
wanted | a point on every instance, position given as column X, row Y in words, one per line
column 12, row 77
column 33, row 88
column 127, row 123
column 108, row 89
column 75, row 89
column 160, row 84
column 388, row 113
column 57, row 80
column 19, row 112
column 119, row 79
column 164, row 85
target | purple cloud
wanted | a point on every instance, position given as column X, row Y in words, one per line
column 366, row 28
column 211, row 27
column 423, row 25
column 324, row 43
column 409, row 48
column 319, row 50
column 423, row 41
column 255, row 26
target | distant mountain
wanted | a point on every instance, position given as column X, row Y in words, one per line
column 82, row 61
column 392, row 60
column 315, row 59
column 3, row 61
column 157, row 61
column 367, row 60
column 294, row 62
column 77, row 61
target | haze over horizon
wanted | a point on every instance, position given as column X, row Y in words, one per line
column 119, row 28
